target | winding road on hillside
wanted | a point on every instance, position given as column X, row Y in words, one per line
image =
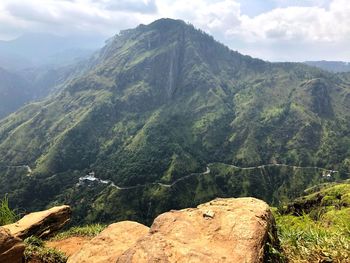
column 328, row 171
column 278, row 164
column 109, row 182
column 160, row 184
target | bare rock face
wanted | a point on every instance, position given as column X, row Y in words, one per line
column 70, row 245
column 41, row 224
column 11, row 248
column 110, row 243
column 223, row 230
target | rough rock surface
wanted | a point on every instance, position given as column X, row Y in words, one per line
column 110, row 243
column 11, row 248
column 41, row 224
column 68, row 246
column 223, row 230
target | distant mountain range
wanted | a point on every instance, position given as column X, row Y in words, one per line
column 33, row 50
column 23, row 86
column 332, row 66
column 166, row 117
column 34, row 65
column 14, row 92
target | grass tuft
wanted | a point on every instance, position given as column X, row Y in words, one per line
column 306, row 240
column 7, row 216
column 85, row 231
column 36, row 252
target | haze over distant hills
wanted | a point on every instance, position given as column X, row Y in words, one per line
column 32, row 50
column 167, row 117
column 332, row 66
column 13, row 92
column 34, row 65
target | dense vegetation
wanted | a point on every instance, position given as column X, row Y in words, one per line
column 162, row 101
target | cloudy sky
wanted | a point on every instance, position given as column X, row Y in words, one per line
column 276, row 30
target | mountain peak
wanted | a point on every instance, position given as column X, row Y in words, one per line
column 167, row 23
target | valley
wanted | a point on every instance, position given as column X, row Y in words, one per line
column 166, row 117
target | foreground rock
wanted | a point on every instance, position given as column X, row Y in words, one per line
column 41, row 224
column 11, row 248
column 70, row 245
column 110, row 243
column 223, row 230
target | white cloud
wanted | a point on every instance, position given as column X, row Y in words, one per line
column 148, row 6
column 300, row 23
column 71, row 16
column 311, row 32
column 289, row 30
column 212, row 16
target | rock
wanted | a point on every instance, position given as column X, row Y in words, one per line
column 70, row 245
column 11, row 248
column 209, row 214
column 223, row 230
column 41, row 224
column 110, row 243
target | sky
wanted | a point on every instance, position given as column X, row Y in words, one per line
column 275, row 30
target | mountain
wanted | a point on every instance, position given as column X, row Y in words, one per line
column 13, row 92
column 166, row 117
column 332, row 66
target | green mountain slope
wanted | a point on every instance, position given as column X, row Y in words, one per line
column 162, row 101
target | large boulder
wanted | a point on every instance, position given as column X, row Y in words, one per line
column 110, row 243
column 41, row 224
column 11, row 248
column 223, row 230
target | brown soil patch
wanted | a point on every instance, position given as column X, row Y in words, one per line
column 69, row 245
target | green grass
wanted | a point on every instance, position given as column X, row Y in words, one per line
column 304, row 240
column 85, row 231
column 7, row 216
column 37, row 252
column 323, row 233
